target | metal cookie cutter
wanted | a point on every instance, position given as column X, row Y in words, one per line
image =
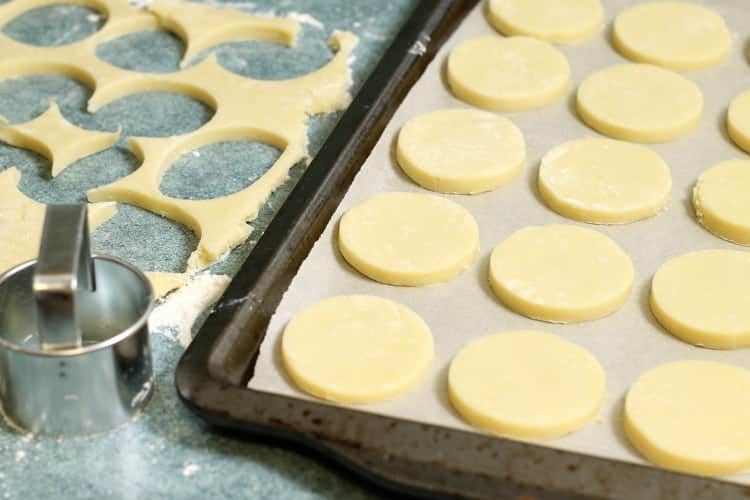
column 74, row 340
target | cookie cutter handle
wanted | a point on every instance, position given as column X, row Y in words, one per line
column 64, row 269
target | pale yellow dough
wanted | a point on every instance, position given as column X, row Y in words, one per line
column 408, row 239
column 604, row 181
column 274, row 112
column 675, row 35
column 526, row 384
column 561, row 273
column 21, row 221
column 704, row 298
column 556, row 21
column 460, row 150
column 356, row 349
column 508, row 74
column 640, row 102
column 738, row 120
column 691, row 416
column 54, row 137
column 722, row 200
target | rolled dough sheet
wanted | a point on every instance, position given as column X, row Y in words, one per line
column 526, row 384
column 604, row 181
column 357, row 349
column 692, row 416
column 627, row 343
column 704, row 298
column 507, row 73
column 676, row 35
column 560, row 273
column 556, row 21
column 462, row 151
column 721, row 199
column 640, row 103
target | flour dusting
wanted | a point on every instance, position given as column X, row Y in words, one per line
column 306, row 19
column 177, row 314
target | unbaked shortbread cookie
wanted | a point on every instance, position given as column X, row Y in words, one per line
column 738, row 120
column 556, row 21
column 460, row 150
column 561, row 273
column 691, row 416
column 508, row 74
column 704, row 298
column 675, row 35
column 526, row 384
column 356, row 349
column 722, row 200
column 640, row 102
column 604, row 181
column 408, row 239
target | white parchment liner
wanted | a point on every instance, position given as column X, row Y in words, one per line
column 627, row 343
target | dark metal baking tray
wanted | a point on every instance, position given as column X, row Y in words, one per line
column 404, row 456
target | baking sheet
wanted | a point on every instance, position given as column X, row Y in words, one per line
column 628, row 342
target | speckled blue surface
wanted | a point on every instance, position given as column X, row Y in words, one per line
column 167, row 452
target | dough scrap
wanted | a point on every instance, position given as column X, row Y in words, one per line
column 408, row 239
column 691, row 416
column 55, row 138
column 738, row 120
column 274, row 112
column 640, row 103
column 721, row 198
column 356, row 349
column 675, row 35
column 561, row 273
column 460, row 150
column 604, row 181
column 526, row 384
column 203, row 26
column 555, row 21
column 21, row 220
column 704, row 298
column 508, row 74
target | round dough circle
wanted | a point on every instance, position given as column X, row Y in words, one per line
column 722, row 200
column 508, row 74
column 556, row 21
column 408, row 239
column 460, row 150
column 675, row 35
column 561, row 273
column 639, row 102
column 704, row 298
column 691, row 416
column 526, row 384
column 738, row 120
column 604, row 181
column 356, row 349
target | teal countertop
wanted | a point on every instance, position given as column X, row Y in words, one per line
column 167, row 452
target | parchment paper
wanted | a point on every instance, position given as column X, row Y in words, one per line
column 628, row 342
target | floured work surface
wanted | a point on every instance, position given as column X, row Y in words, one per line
column 627, row 343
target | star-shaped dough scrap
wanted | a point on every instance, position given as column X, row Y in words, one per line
column 21, row 221
column 203, row 26
column 55, row 138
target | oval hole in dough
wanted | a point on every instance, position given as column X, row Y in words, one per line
column 144, row 51
column 218, row 169
column 154, row 114
column 24, row 98
column 55, row 25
